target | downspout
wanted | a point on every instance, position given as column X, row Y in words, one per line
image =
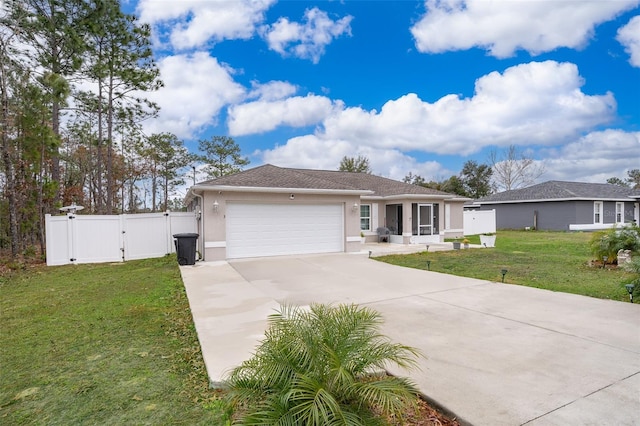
column 200, row 220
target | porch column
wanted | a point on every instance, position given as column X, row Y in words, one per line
column 407, row 217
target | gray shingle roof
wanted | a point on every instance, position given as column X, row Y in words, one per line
column 561, row 190
column 269, row 176
column 381, row 186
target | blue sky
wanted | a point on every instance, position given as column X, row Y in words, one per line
column 415, row 86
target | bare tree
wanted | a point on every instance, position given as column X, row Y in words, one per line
column 512, row 169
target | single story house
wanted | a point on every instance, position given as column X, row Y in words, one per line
column 563, row 206
column 270, row 211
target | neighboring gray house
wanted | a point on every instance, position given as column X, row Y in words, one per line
column 563, row 206
column 269, row 211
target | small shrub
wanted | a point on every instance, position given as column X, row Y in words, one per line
column 322, row 366
column 609, row 242
column 221, row 409
column 633, row 266
column 30, row 251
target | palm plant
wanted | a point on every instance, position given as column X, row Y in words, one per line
column 609, row 242
column 322, row 366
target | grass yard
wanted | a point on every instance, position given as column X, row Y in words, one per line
column 555, row 261
column 101, row 344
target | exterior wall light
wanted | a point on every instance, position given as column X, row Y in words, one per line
column 355, row 207
column 216, row 206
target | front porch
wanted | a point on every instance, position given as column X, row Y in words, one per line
column 421, row 225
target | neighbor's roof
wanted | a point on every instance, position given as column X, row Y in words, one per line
column 272, row 177
column 555, row 190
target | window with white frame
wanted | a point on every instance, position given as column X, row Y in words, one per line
column 597, row 212
column 619, row 212
column 365, row 217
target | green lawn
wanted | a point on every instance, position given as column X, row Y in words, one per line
column 101, row 344
column 555, row 261
column 115, row 343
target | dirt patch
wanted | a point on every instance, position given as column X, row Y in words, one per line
column 424, row 415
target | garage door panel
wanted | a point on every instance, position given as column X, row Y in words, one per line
column 255, row 230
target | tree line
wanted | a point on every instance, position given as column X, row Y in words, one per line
column 506, row 170
column 75, row 76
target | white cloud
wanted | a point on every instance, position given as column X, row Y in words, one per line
column 309, row 39
column 595, row 157
column 629, row 37
column 195, row 88
column 193, row 23
column 272, row 90
column 315, row 153
column 262, row 116
column 502, row 27
column 535, row 103
column 307, row 152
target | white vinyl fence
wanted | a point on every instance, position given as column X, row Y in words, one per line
column 93, row 239
column 479, row 222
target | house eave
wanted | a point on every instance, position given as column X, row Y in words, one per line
column 546, row 200
column 274, row 190
column 409, row 197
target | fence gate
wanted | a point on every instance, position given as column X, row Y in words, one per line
column 113, row 238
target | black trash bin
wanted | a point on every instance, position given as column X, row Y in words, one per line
column 186, row 248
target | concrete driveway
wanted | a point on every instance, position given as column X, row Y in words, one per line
column 496, row 354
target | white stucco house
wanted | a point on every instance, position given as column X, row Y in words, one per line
column 271, row 211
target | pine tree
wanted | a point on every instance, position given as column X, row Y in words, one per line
column 121, row 62
column 53, row 31
column 359, row 164
column 222, row 156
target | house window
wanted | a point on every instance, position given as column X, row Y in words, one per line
column 619, row 212
column 365, row 217
column 597, row 212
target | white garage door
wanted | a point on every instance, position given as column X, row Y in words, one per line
column 255, row 230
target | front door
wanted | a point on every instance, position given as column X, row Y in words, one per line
column 394, row 218
column 425, row 219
